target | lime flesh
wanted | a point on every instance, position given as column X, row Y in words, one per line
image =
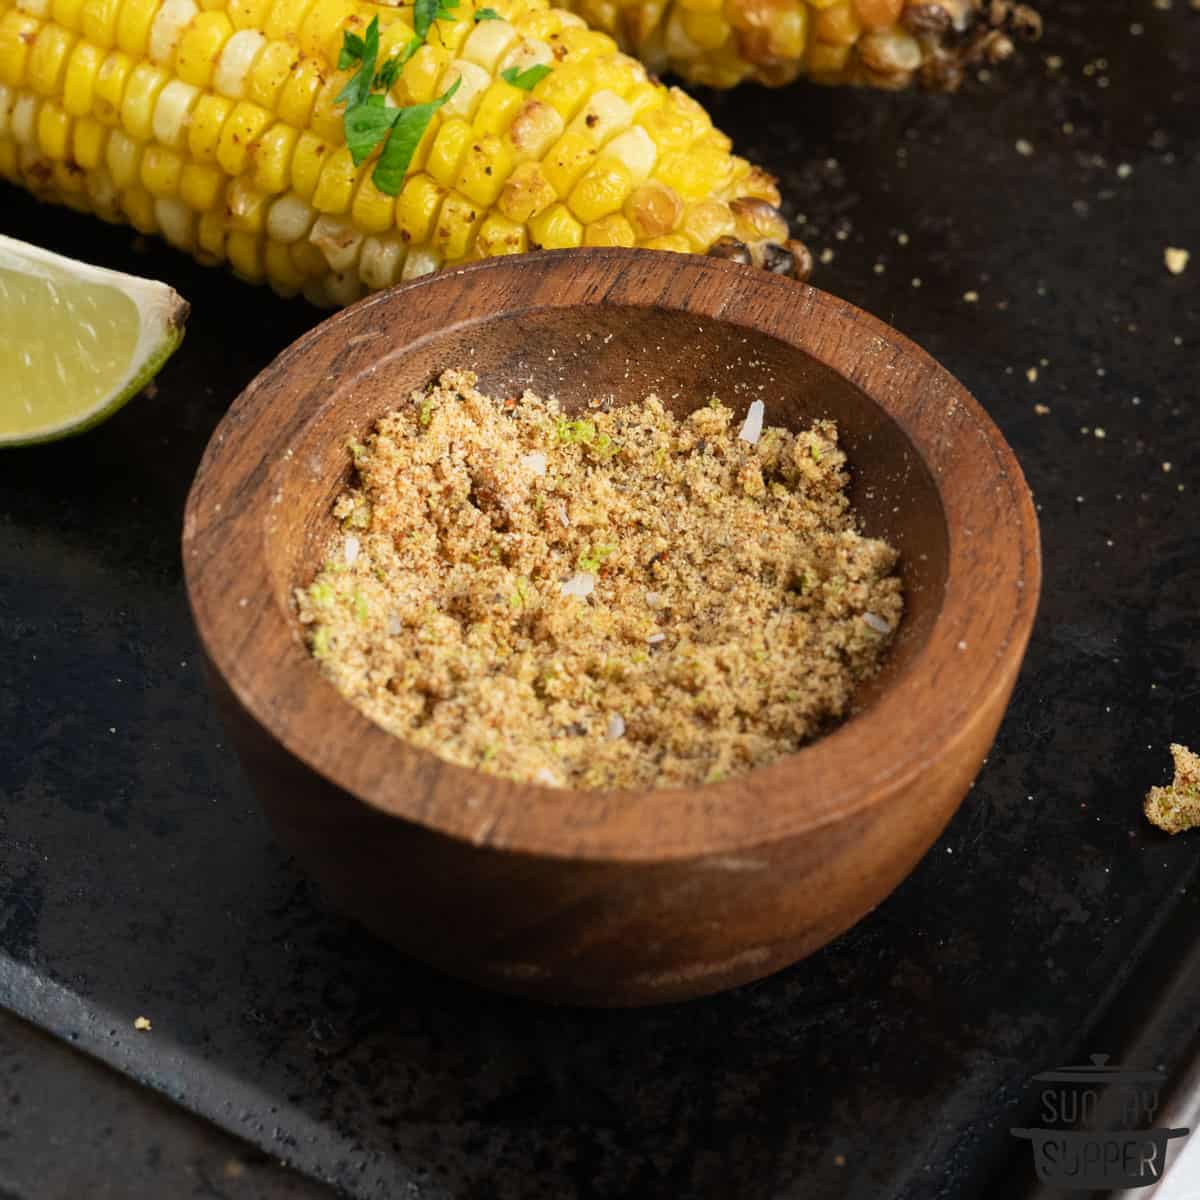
column 76, row 341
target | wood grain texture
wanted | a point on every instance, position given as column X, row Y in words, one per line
column 626, row 897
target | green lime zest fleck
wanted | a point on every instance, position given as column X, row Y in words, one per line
column 361, row 609
column 426, row 413
column 605, row 448
column 567, row 432
column 320, row 642
column 320, row 594
column 592, row 560
column 815, row 451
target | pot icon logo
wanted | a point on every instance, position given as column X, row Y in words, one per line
column 1098, row 1127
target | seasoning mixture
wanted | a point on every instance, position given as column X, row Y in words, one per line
column 621, row 599
column 1177, row 808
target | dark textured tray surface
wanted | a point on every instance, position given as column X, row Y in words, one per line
column 136, row 875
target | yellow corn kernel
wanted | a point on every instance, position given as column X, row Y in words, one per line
column 123, row 157
column 674, row 243
column 601, row 192
column 67, row 13
column 110, row 86
column 138, row 206
column 307, row 259
column 668, row 129
column 380, row 262
column 299, row 92
column 565, row 89
column 454, row 230
column 204, row 129
column 245, row 124
column 245, row 254
column 372, row 211
column 498, row 105
column 98, row 22
column 339, row 242
column 200, row 186
column 176, row 222
column 498, row 235
column 758, row 221
column 23, row 121
column 708, row 30
column 485, row 167
column 284, row 18
column 161, row 170
column 653, row 210
column 307, row 160
column 173, row 112
column 643, row 97
column 555, row 229
column 247, row 207
column 825, row 60
column 613, row 230
column 141, row 95
column 617, row 74
column 487, row 42
column 18, row 32
column 838, row 25
column 237, row 60
column 80, row 79
column 173, row 17
column 322, row 20
column 696, row 174
column 281, row 271
column 271, row 158
column 447, row 151
column 248, row 14
column 87, row 143
column 336, row 183
column 705, row 222
column 70, row 179
column 603, row 116
column 102, row 194
column 417, row 207
column 526, row 193
column 53, row 130
column 327, row 113
column 269, row 74
column 8, row 159
column 569, row 157
column 200, row 47
column 210, row 233
column 534, row 129
column 544, row 24
column 48, row 58
column 421, row 75
column 133, row 25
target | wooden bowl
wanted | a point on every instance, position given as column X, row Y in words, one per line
column 625, row 897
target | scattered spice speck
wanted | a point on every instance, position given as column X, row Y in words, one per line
column 1024, row 147
column 1176, row 259
column 1032, row 374
column 971, row 297
column 142, row 1024
column 1176, row 808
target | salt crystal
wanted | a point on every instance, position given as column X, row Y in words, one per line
column 351, row 549
column 616, row 725
column 535, row 462
column 653, row 599
column 580, row 584
column 877, row 623
column 655, row 638
column 562, row 516
column 394, row 625
column 752, row 429
column 546, row 776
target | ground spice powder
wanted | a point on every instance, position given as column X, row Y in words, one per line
column 618, row 599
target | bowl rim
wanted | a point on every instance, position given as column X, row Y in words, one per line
column 994, row 564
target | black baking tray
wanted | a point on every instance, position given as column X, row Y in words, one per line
column 1048, row 923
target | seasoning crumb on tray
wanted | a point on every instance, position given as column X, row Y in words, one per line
column 1176, row 808
column 622, row 599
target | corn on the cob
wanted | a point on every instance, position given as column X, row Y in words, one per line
column 219, row 125
column 884, row 43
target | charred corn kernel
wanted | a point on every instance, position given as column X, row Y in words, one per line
column 526, row 193
column 827, row 62
column 296, row 100
column 134, row 19
column 244, row 252
column 498, row 235
column 204, row 128
column 270, row 158
column 87, row 143
column 167, row 28
column 654, row 210
column 161, row 170
column 448, row 149
column 217, row 123
column 416, row 208
column 371, row 210
column 244, row 124
column 270, row 73
column 200, row 186
column 601, row 192
column 613, row 230
column 200, row 48
column 838, row 25
column 79, row 82
column 53, row 130
column 110, row 86
column 555, row 229
column 141, row 96
column 336, row 182
column 48, row 59
column 98, row 23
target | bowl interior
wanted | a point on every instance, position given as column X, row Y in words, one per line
column 623, row 352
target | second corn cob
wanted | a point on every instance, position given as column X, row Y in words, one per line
column 883, row 43
column 219, row 125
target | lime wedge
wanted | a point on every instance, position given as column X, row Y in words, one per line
column 76, row 341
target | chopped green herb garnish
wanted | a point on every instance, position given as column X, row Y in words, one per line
column 592, row 560
column 361, row 611
column 526, row 80
column 426, row 413
column 487, row 14
column 320, row 642
column 320, row 594
column 575, row 431
column 605, row 448
column 521, row 595
column 357, row 450
column 714, row 402
column 815, row 451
